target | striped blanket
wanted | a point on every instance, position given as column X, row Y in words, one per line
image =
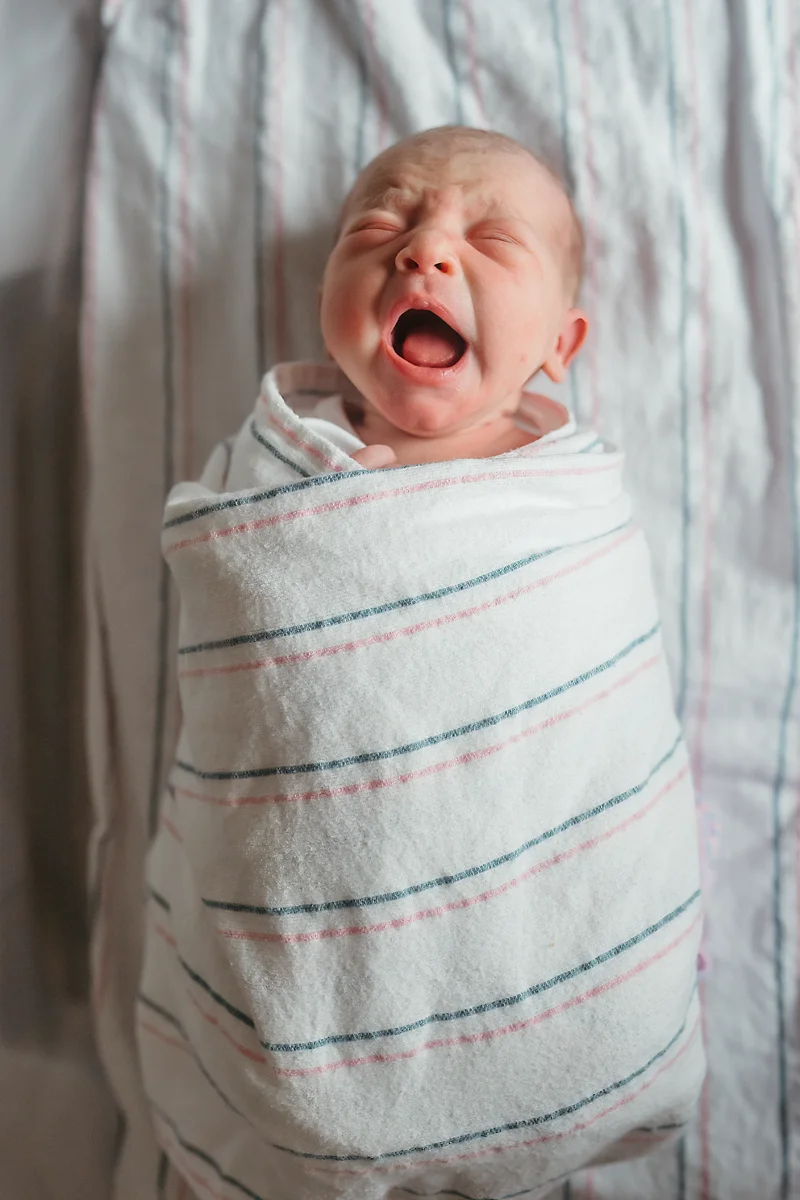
column 423, row 907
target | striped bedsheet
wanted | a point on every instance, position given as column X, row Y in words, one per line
column 424, row 906
column 224, row 137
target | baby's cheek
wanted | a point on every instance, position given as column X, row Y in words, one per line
column 350, row 318
column 344, row 317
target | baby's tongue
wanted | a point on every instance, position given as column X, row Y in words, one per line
column 431, row 342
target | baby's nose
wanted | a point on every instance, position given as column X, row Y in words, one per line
column 427, row 252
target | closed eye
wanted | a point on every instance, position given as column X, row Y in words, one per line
column 484, row 234
column 376, row 225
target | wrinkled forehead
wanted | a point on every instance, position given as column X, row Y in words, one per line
column 484, row 179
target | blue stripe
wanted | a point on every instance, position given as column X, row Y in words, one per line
column 509, row 1126
column 435, row 739
column 215, row 996
column 269, row 635
column 262, row 441
column 336, row 477
column 168, row 1017
column 474, row 1010
column 450, row 47
column 285, row 489
column 168, row 390
column 162, row 1178
column 162, row 1012
column 217, row 1169
column 460, row 1139
column 680, row 1155
column 159, row 899
column 683, row 373
column 190, row 1148
column 442, row 880
column 598, row 441
column 506, row 1195
column 228, row 447
column 779, row 932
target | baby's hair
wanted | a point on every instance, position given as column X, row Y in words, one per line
column 435, row 140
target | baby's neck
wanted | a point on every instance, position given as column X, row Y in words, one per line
column 496, row 436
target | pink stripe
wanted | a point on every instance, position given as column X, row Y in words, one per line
column 318, row 935
column 306, row 446
column 173, row 1148
column 469, row 15
column 407, row 490
column 537, row 1141
column 279, row 265
column 375, row 72
column 166, row 936
column 212, row 1020
column 488, row 1035
column 202, row 1182
column 171, row 829
column 698, row 757
column 591, row 197
column 186, row 252
column 380, row 638
column 469, row 756
column 588, row 1192
column 162, row 1037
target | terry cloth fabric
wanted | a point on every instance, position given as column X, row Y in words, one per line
column 225, row 136
column 424, row 906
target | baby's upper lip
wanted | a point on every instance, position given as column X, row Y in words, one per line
column 422, row 302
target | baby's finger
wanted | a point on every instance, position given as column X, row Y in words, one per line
column 372, row 457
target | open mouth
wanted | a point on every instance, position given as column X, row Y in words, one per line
column 425, row 340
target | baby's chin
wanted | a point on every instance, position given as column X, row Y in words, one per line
column 426, row 416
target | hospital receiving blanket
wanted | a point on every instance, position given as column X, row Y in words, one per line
column 225, row 137
column 424, row 907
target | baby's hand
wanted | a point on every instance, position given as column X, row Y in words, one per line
column 375, row 456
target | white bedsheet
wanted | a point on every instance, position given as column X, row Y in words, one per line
column 226, row 134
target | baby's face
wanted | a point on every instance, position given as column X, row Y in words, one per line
column 446, row 289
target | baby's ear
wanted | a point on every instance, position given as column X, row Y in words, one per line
column 571, row 337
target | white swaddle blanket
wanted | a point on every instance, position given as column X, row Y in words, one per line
column 424, row 907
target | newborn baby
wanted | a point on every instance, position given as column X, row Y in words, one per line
column 424, row 907
column 451, row 284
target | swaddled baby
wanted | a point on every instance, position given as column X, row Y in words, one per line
column 424, row 907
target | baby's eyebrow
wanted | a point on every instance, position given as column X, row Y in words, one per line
column 391, row 193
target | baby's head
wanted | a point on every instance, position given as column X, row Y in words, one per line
column 453, row 280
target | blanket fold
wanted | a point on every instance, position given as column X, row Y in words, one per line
column 424, row 904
